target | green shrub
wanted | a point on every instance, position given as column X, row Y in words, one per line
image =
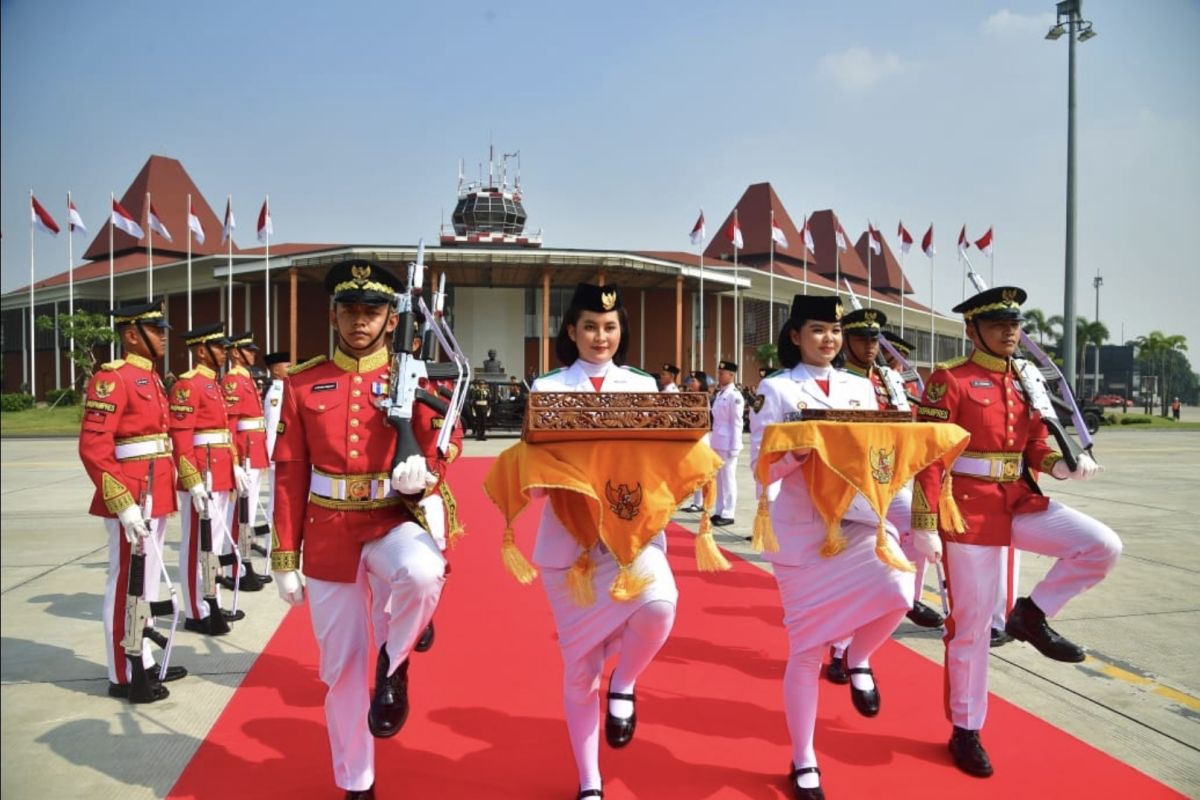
column 69, row 396
column 1140, row 419
column 16, row 402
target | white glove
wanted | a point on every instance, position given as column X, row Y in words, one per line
column 928, row 544
column 411, row 476
column 241, row 480
column 1085, row 469
column 199, row 498
column 132, row 523
column 291, row 588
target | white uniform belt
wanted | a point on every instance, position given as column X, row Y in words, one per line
column 252, row 424
column 144, row 448
column 202, row 438
column 1000, row 468
column 354, row 488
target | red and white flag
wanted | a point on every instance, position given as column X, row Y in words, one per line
column 734, row 232
column 156, row 224
column 227, row 228
column 874, row 240
column 963, row 243
column 123, row 220
column 906, row 240
column 42, row 219
column 839, row 236
column 698, row 232
column 264, row 222
column 984, row 243
column 927, row 242
column 808, row 240
column 777, row 235
column 194, row 225
column 74, row 219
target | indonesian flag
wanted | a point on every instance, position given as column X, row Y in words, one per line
column 777, row 233
column 874, row 241
column 808, row 240
column 927, row 242
column 194, row 225
column 123, row 220
column 230, row 224
column 264, row 222
column 42, row 219
column 74, row 219
column 157, row 226
column 734, row 232
column 984, row 243
column 906, row 239
column 698, row 231
column 839, row 236
column 963, row 242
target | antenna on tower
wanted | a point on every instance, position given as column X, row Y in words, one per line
column 491, row 162
column 460, row 176
column 517, row 156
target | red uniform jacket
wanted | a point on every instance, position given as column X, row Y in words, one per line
column 197, row 407
column 125, row 400
column 881, row 395
column 332, row 422
column 982, row 395
column 243, row 403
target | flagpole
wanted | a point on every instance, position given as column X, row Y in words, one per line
column 771, row 291
column 149, row 251
column 870, row 250
column 903, row 280
column 701, row 351
column 267, row 274
column 962, row 342
column 229, row 273
column 737, row 339
column 189, row 272
column 112, row 346
column 804, row 233
column 932, row 334
column 32, row 342
column 837, row 258
column 71, row 282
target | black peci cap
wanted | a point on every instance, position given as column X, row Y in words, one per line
column 278, row 357
column 599, row 299
column 863, row 322
column 362, row 281
column 671, row 368
column 1000, row 302
column 145, row 313
column 819, row 307
column 728, row 366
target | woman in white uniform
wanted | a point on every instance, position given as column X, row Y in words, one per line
column 850, row 595
column 592, row 341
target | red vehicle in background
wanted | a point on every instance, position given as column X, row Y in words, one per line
column 1111, row 401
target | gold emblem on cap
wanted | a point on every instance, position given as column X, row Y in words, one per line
column 608, row 300
column 360, row 273
column 870, row 316
column 837, row 311
column 1009, row 295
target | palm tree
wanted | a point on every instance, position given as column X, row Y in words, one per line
column 1094, row 333
column 1157, row 344
column 1054, row 328
column 1036, row 323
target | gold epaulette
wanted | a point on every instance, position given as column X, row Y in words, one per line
column 952, row 363
column 303, row 365
column 191, row 373
column 113, row 366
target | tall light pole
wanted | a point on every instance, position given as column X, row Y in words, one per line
column 1097, row 282
column 1081, row 29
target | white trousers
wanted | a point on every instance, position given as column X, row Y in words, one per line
column 115, row 588
column 1086, row 550
column 381, row 598
column 191, row 584
column 1006, row 587
column 232, row 520
column 727, row 486
column 408, row 563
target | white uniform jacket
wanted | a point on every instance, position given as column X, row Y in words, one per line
column 555, row 547
column 272, row 408
column 671, row 387
column 727, row 413
column 798, row 527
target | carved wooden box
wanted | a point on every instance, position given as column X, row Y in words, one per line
column 573, row 416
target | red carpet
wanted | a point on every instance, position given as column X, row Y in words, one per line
column 486, row 718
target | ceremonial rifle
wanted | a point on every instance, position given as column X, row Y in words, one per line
column 892, row 381
column 246, row 536
column 1036, row 380
column 210, row 562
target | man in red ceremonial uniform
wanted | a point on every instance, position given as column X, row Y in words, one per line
column 247, row 426
column 994, row 489
column 125, row 450
column 209, row 474
column 346, row 514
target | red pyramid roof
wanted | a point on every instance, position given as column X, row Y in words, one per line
column 822, row 226
column 886, row 275
column 169, row 185
column 754, row 217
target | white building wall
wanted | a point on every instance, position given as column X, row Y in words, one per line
column 491, row 319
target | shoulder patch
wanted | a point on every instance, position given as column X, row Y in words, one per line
column 303, row 365
column 551, row 372
column 113, row 366
column 637, row 371
column 952, row 363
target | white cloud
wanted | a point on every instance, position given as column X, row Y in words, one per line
column 1009, row 23
column 857, row 69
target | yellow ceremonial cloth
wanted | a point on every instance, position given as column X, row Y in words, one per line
column 875, row 459
column 621, row 493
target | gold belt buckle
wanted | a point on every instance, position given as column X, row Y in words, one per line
column 1008, row 470
column 358, row 489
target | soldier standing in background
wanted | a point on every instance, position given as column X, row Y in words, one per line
column 728, row 411
column 247, row 425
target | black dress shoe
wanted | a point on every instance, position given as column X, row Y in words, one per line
column 1027, row 623
column 586, row 793
column 225, row 582
column 799, row 792
column 999, row 638
column 173, row 673
column 148, row 691
column 426, row 641
column 836, row 670
column 968, row 753
column 721, row 522
column 618, row 732
column 251, row 581
column 691, row 509
column 389, row 701
column 209, row 626
column 361, row 794
column 233, row 616
column 924, row 616
column 867, row 702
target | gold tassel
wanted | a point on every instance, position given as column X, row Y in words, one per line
column 763, row 539
column 455, row 535
column 579, row 580
column 514, row 560
column 951, row 517
column 885, row 553
column 629, row 585
column 835, row 540
column 709, row 557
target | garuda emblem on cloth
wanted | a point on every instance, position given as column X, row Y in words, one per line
column 883, row 464
column 231, row 387
column 182, row 393
column 623, row 501
column 934, row 392
column 105, row 388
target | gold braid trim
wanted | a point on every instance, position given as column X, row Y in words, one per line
column 189, row 476
column 116, row 496
column 1049, row 461
column 285, row 560
column 454, row 527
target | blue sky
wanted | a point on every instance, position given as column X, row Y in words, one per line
column 629, row 116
